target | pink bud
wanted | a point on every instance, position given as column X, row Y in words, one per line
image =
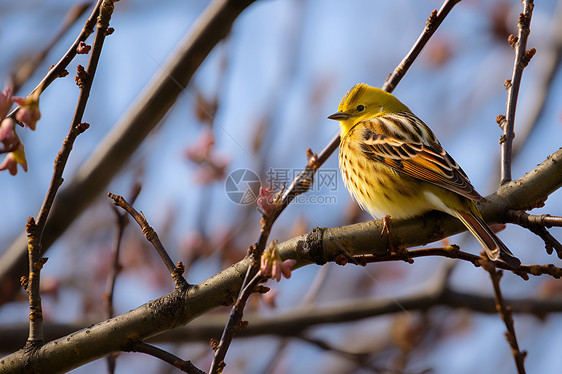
column 5, row 101
column 265, row 201
column 286, row 267
column 29, row 113
column 8, row 135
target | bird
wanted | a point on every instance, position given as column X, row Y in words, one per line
column 394, row 166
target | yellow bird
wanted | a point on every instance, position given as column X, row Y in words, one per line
column 393, row 165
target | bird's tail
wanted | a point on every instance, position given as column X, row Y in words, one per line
column 494, row 247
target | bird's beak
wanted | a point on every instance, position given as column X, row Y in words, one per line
column 339, row 116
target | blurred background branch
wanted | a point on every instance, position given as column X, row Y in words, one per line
column 149, row 108
column 296, row 322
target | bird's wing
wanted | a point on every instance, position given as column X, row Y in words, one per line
column 430, row 163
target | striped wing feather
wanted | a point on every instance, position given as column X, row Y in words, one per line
column 430, row 163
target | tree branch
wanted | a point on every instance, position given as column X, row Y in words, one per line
column 453, row 251
column 185, row 366
column 538, row 225
column 175, row 271
column 542, row 85
column 507, row 317
column 522, row 58
column 319, row 246
column 359, row 358
column 234, row 323
column 84, row 80
column 60, row 68
column 32, row 283
column 26, row 70
column 121, row 221
column 35, row 229
column 431, row 25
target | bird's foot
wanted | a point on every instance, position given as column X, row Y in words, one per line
column 386, row 231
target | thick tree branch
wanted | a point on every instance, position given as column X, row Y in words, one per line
column 321, row 245
column 114, row 335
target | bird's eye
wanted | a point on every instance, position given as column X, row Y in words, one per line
column 360, row 108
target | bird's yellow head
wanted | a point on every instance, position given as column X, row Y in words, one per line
column 363, row 102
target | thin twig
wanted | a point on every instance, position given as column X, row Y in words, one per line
column 543, row 85
column 453, row 251
column 31, row 284
column 277, row 356
column 121, row 221
column 28, row 67
column 303, row 181
column 185, row 366
column 307, row 303
column 507, row 317
column 252, row 275
column 522, row 58
column 35, row 228
column 537, row 225
column 234, row 324
column 59, row 70
column 176, row 271
column 431, row 25
column 84, row 80
column 522, row 218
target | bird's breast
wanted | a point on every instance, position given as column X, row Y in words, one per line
column 378, row 188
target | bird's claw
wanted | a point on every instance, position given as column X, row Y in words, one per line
column 386, row 231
